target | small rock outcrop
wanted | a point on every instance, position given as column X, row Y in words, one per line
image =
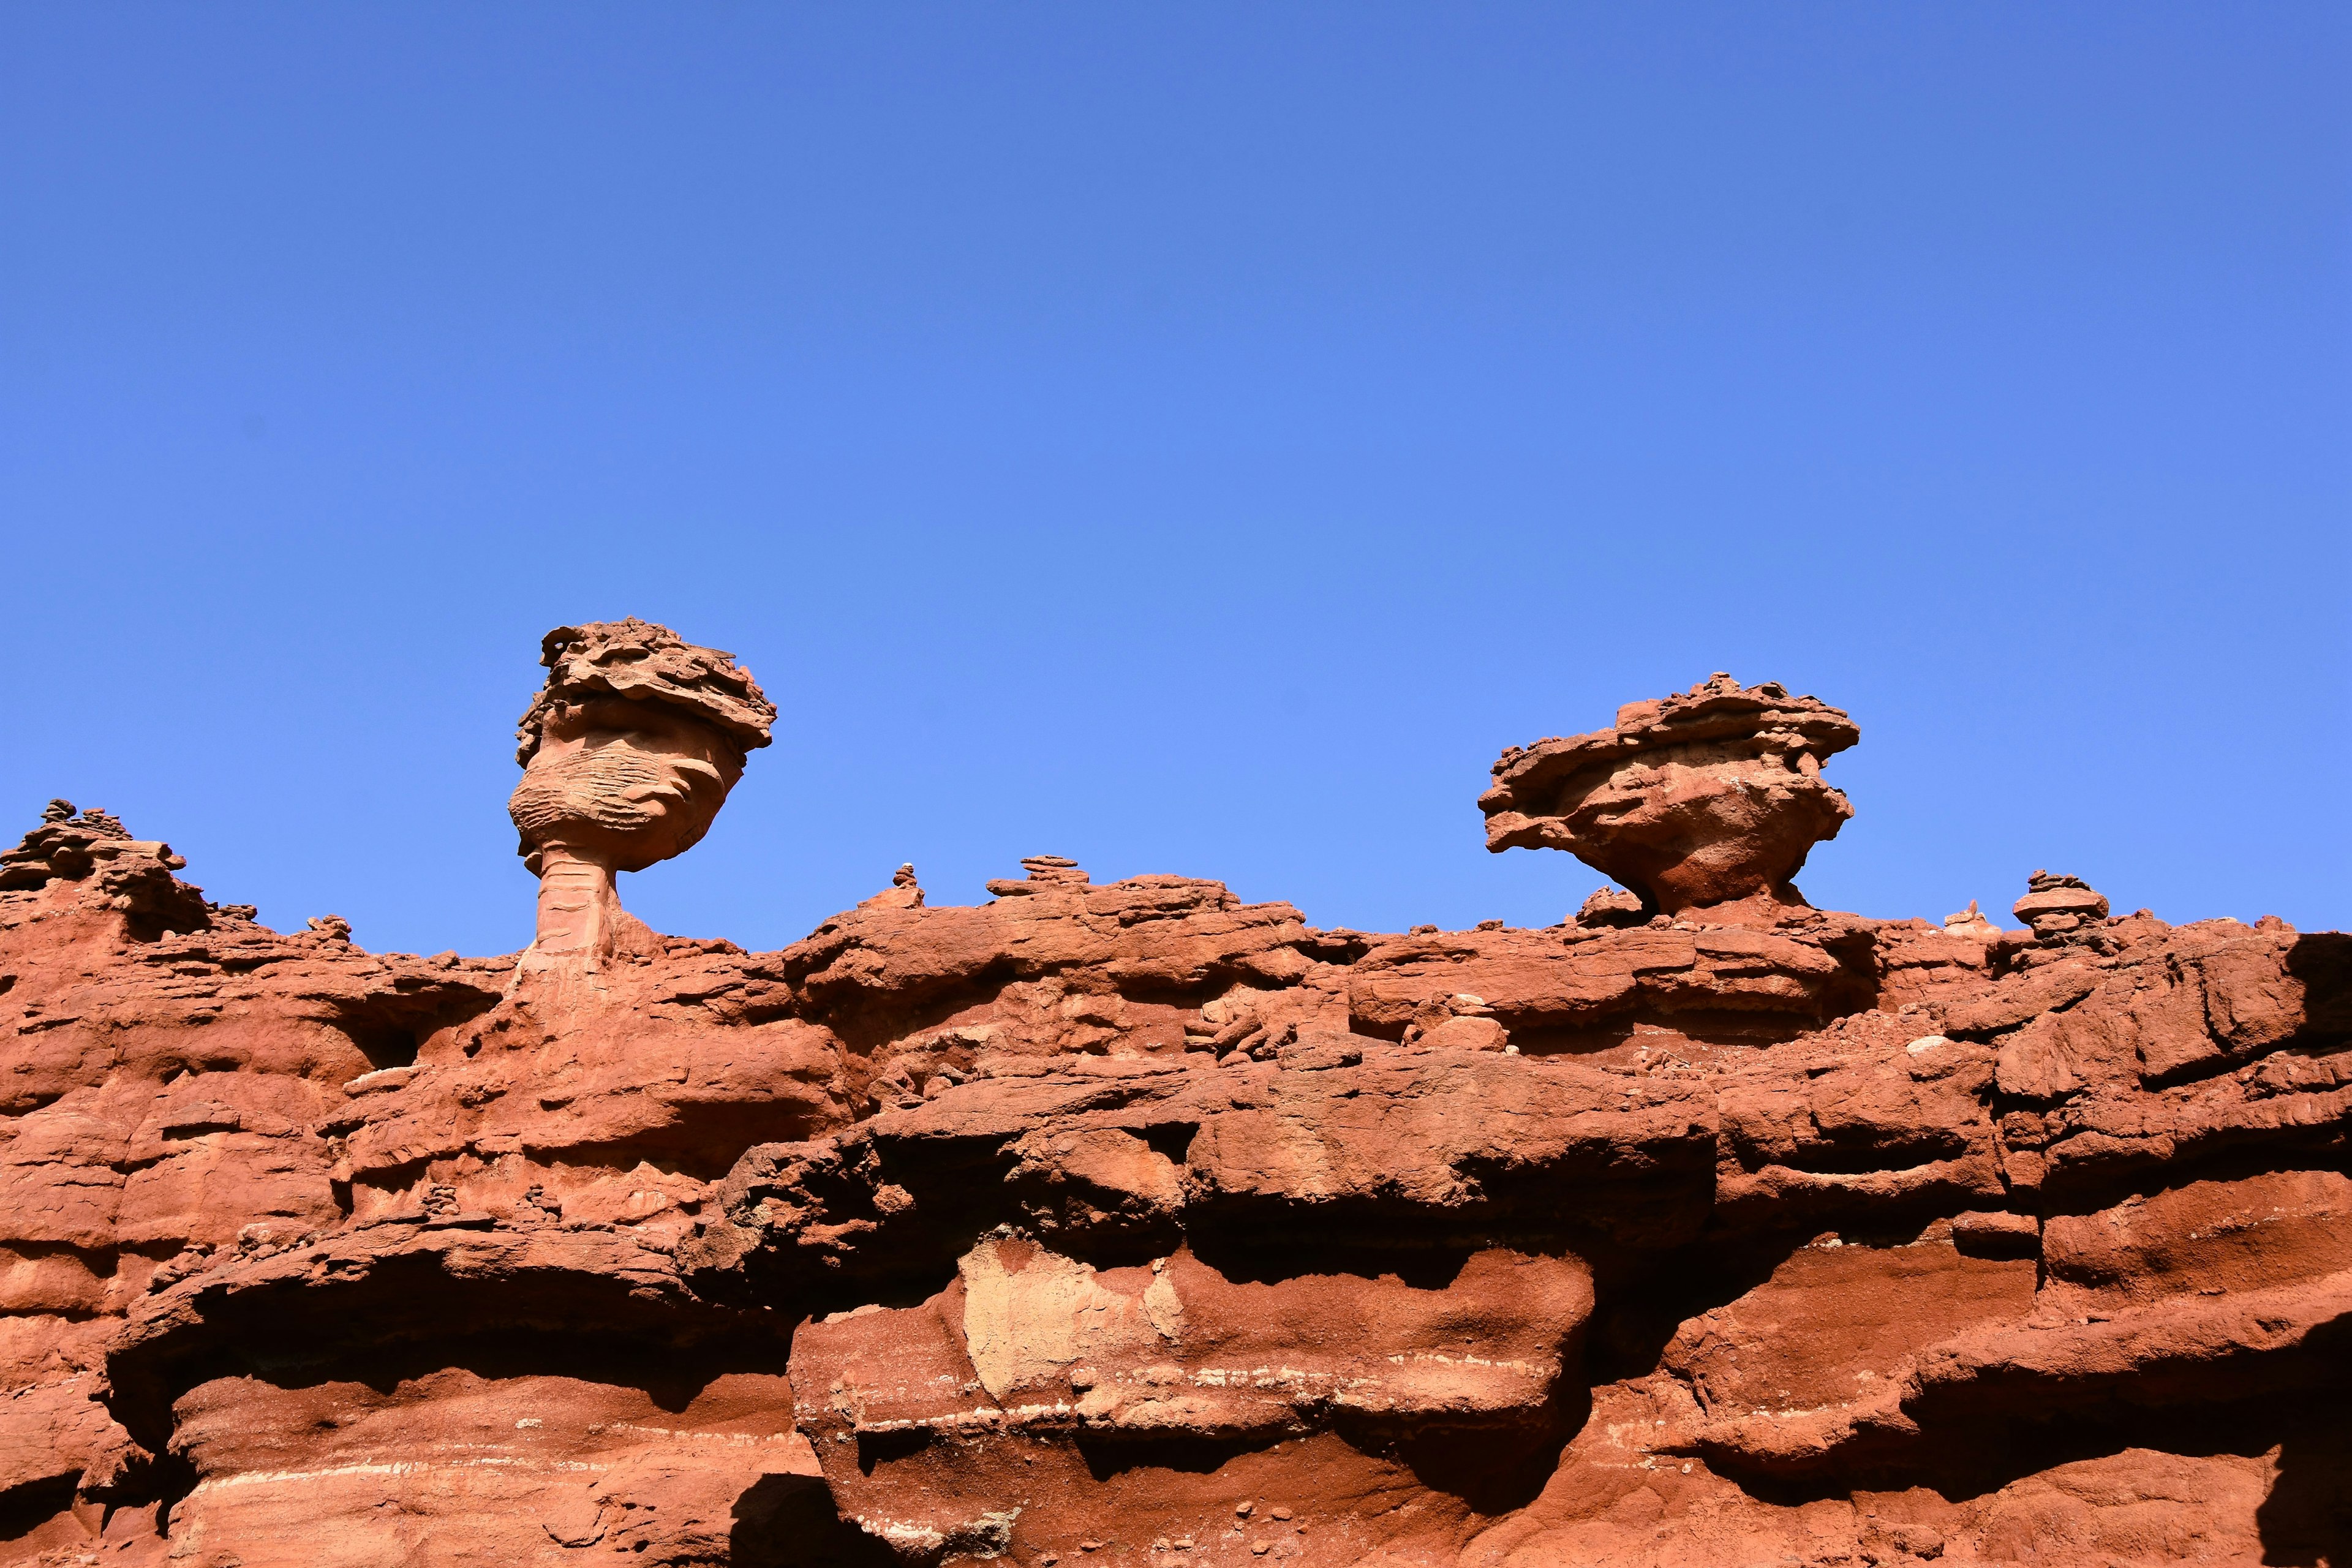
column 1971, row 921
column 93, row 849
column 1131, row 1224
column 2061, row 909
column 1707, row 797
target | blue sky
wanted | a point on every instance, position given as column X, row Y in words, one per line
column 1189, row 438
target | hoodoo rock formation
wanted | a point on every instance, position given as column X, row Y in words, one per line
column 1711, row 796
column 1131, row 1224
column 627, row 753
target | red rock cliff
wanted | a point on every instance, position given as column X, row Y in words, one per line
column 1135, row 1225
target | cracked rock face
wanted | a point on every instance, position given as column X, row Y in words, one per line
column 1135, row 1224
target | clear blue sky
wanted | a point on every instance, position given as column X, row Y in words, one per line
column 1191, row 438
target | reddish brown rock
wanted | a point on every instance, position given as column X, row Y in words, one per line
column 2060, row 909
column 1133, row 1224
column 628, row 752
column 1706, row 798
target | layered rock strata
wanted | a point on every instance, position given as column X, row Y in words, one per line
column 1135, row 1224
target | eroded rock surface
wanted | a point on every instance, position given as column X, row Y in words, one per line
column 628, row 752
column 1710, row 797
column 1134, row 1224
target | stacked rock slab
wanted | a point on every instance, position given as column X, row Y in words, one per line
column 2061, row 909
column 1130, row 1223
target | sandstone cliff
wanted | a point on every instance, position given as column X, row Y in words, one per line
column 1133, row 1224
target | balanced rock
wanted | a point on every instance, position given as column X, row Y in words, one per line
column 2060, row 909
column 1703, row 798
column 628, row 752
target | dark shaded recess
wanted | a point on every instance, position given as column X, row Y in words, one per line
column 866, row 1019
column 671, row 1379
column 670, row 1376
column 2230, row 1154
column 1338, row 945
column 2323, row 961
column 2307, row 1518
column 1117, row 1245
column 1643, row 1298
column 2306, row 1521
column 24, row 1508
column 2001, row 1245
column 1652, row 1194
column 1108, row 1456
column 1720, row 1026
column 407, row 1317
column 168, row 1479
column 388, row 1027
column 1856, row 950
column 2230, row 1164
column 1854, row 1156
column 180, row 909
column 187, row 1131
column 1976, row 1438
column 1172, row 1141
column 1271, row 1259
column 386, row 1044
column 1492, row 1469
column 702, row 1139
column 789, row 1521
column 960, row 1192
column 1269, row 1241
column 889, row 1447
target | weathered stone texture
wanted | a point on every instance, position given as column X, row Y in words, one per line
column 1133, row 1224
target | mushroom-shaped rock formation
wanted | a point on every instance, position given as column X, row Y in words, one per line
column 628, row 752
column 1706, row 798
